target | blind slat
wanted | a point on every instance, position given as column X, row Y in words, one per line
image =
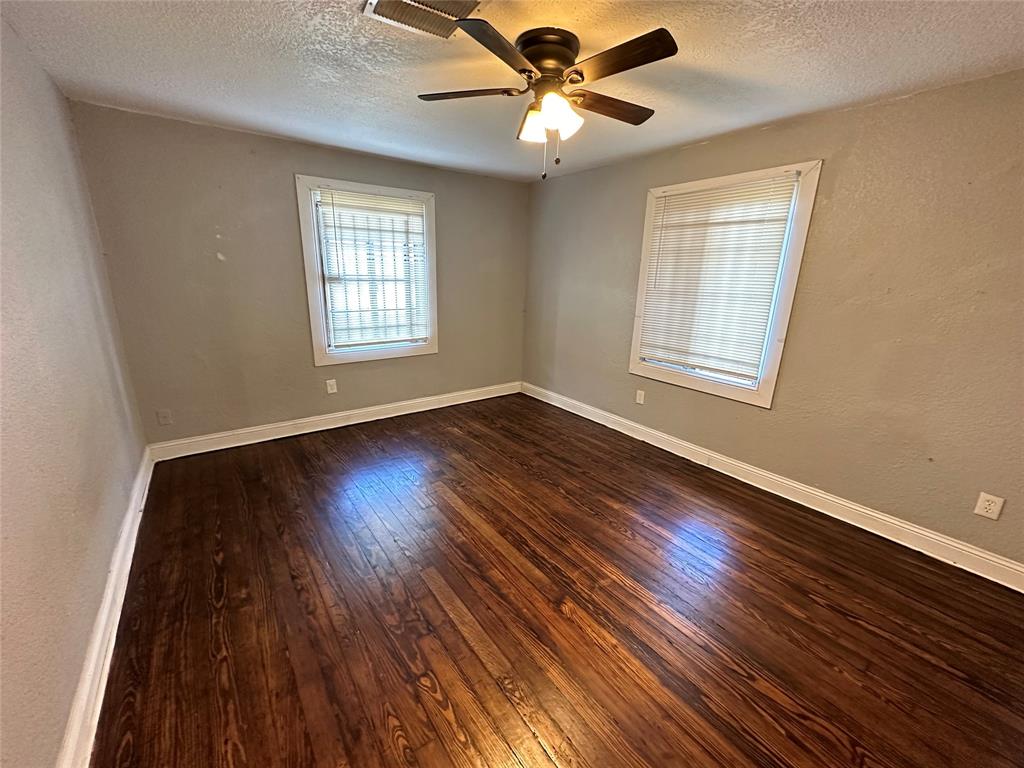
column 712, row 267
column 375, row 269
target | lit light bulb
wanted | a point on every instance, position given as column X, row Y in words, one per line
column 532, row 128
column 558, row 115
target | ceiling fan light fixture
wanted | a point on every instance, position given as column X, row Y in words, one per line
column 532, row 128
column 545, row 57
column 558, row 115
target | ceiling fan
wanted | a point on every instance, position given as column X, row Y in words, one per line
column 546, row 59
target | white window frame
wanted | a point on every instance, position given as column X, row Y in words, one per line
column 762, row 393
column 322, row 353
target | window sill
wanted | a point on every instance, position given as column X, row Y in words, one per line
column 321, row 357
column 760, row 396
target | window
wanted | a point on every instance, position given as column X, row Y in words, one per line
column 717, row 276
column 369, row 254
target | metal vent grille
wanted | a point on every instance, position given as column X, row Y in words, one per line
column 431, row 17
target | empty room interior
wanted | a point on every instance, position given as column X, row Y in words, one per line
column 512, row 384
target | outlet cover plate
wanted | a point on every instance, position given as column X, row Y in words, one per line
column 989, row 506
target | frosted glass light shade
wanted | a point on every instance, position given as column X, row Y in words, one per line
column 558, row 115
column 532, row 128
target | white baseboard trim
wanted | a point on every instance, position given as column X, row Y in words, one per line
column 187, row 446
column 949, row 550
column 76, row 749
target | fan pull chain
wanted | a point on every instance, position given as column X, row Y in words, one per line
column 558, row 154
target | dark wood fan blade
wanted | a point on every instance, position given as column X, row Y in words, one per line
column 625, row 111
column 469, row 94
column 491, row 39
column 645, row 49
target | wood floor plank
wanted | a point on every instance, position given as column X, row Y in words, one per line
column 278, row 717
column 505, row 584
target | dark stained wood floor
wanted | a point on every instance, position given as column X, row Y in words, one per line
column 505, row 584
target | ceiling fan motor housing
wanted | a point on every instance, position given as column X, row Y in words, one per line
column 549, row 49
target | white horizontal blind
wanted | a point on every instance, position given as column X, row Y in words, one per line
column 713, row 263
column 374, row 264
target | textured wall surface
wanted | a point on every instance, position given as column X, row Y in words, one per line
column 71, row 441
column 323, row 72
column 201, row 230
column 901, row 380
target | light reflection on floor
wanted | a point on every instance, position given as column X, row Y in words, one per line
column 700, row 550
column 405, row 478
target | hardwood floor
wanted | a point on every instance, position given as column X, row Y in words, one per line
column 505, row 584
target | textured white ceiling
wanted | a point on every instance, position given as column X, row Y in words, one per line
column 325, row 73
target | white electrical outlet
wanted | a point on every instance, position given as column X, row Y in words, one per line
column 332, row 386
column 164, row 417
column 640, row 397
column 989, row 506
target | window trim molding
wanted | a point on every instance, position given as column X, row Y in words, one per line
column 782, row 303
column 313, row 265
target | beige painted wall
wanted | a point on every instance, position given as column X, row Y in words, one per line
column 224, row 342
column 71, row 443
column 901, row 382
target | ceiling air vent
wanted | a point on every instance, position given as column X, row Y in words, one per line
column 430, row 17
